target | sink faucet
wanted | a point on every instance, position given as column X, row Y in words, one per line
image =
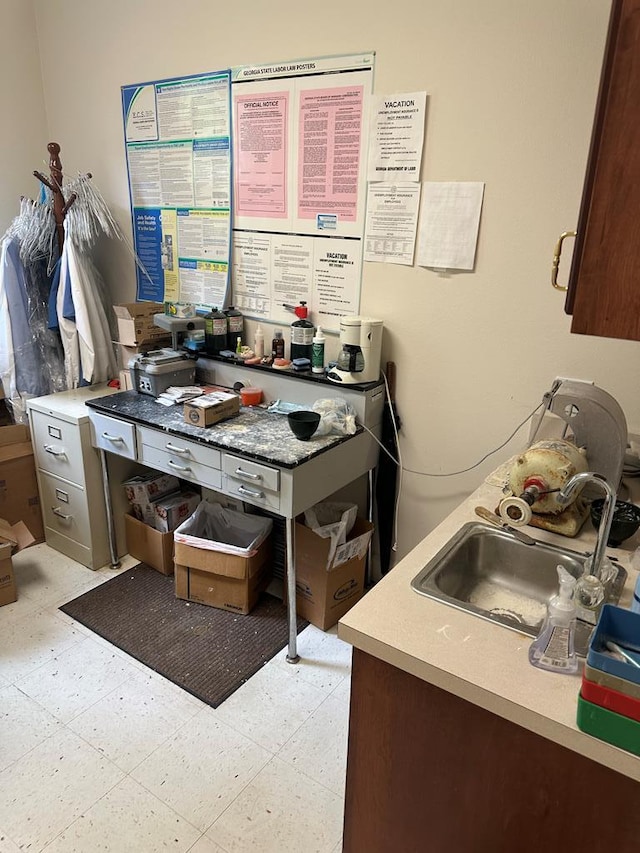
column 568, row 493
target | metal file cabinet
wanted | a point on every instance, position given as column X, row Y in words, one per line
column 69, row 475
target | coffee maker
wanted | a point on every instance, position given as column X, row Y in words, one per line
column 360, row 350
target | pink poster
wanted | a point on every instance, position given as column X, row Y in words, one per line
column 261, row 155
column 330, row 139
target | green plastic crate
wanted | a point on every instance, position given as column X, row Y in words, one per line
column 609, row 726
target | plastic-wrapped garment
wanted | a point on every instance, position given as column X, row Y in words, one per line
column 30, row 354
column 87, row 341
column 7, row 358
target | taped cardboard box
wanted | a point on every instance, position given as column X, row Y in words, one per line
column 222, row 580
column 19, row 496
column 211, row 408
column 135, row 322
column 326, row 589
column 13, row 538
column 223, row 558
column 149, row 545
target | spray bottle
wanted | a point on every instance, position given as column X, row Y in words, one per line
column 317, row 352
column 553, row 649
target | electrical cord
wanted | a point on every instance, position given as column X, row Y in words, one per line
column 545, row 402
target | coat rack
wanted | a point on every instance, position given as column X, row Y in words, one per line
column 54, row 183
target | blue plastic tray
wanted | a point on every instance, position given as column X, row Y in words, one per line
column 622, row 627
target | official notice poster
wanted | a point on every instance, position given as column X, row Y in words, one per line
column 300, row 158
column 178, row 146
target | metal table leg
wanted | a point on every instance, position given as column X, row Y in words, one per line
column 113, row 547
column 292, row 652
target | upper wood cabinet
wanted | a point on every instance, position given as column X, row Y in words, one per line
column 604, row 282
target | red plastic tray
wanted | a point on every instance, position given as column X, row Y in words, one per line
column 611, row 699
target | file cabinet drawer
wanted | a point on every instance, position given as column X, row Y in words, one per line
column 58, row 446
column 64, row 507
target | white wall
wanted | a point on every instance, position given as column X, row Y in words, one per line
column 512, row 88
column 23, row 141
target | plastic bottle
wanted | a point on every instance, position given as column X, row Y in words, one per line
column 235, row 326
column 301, row 334
column 317, row 352
column 258, row 342
column 635, row 601
column 215, row 332
column 553, row 649
column 277, row 344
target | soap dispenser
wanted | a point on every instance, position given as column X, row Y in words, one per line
column 553, row 649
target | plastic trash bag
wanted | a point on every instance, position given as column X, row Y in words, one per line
column 213, row 527
column 337, row 417
column 332, row 520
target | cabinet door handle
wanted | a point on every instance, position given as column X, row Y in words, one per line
column 116, row 439
column 49, row 449
column 57, row 511
column 251, row 493
column 177, row 467
column 183, row 451
column 247, row 474
column 556, row 258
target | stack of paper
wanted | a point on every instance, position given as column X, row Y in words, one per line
column 173, row 395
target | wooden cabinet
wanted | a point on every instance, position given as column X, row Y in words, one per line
column 604, row 281
column 429, row 772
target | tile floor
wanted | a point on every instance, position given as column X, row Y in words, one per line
column 99, row 753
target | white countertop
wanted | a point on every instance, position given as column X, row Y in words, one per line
column 477, row 660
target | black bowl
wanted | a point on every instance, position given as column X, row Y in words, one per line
column 303, row 424
column 626, row 520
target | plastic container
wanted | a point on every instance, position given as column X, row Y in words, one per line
column 612, row 682
column 317, row 352
column 235, row 326
column 622, row 627
column 635, row 600
column 250, row 396
column 553, row 649
column 215, row 333
column 277, row 344
column 611, row 699
column 301, row 334
column 608, row 726
column 258, row 343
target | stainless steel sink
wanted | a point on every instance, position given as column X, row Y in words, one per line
column 487, row 572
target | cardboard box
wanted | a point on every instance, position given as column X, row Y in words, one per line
column 324, row 593
column 19, row 496
column 135, row 322
column 149, row 545
column 143, row 489
column 13, row 538
column 211, row 408
column 171, row 511
column 222, row 580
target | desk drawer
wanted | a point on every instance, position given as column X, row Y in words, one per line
column 65, row 509
column 253, row 494
column 179, row 466
column 58, row 446
column 251, row 473
column 179, row 448
column 114, row 435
